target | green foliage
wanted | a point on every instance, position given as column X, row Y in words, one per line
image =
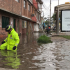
column 26, row 33
column 44, row 39
column 46, row 22
column 54, row 16
column 65, row 36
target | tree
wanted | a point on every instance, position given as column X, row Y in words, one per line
column 54, row 16
column 47, row 22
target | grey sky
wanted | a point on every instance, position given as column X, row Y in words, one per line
column 53, row 3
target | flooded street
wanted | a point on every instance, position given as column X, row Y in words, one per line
column 31, row 56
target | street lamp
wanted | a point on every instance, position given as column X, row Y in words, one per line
column 50, row 12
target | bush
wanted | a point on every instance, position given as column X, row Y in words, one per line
column 65, row 36
column 44, row 39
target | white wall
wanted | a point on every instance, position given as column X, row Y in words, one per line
column 66, row 20
column 36, row 27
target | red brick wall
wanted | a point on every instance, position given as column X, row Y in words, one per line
column 3, row 33
column 17, row 7
column 26, row 12
column 35, row 4
column 6, row 4
column 29, row 14
column 11, row 5
column 24, row 31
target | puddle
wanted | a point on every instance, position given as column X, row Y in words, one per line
column 31, row 56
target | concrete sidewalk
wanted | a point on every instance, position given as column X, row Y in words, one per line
column 61, row 33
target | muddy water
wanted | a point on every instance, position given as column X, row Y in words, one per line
column 31, row 56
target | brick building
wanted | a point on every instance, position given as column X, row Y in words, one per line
column 23, row 15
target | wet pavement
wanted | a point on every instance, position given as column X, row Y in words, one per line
column 31, row 56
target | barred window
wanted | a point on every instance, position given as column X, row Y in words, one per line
column 5, row 21
column 29, row 7
column 24, row 24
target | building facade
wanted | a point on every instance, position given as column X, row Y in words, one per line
column 23, row 15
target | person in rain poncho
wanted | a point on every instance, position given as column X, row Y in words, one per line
column 12, row 41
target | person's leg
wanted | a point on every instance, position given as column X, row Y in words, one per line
column 3, row 46
column 10, row 47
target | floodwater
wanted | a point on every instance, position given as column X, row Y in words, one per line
column 31, row 56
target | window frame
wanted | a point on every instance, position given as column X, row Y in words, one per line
column 24, row 24
column 25, row 4
column 29, row 7
column 5, row 21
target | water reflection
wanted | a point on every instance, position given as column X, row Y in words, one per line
column 9, row 59
column 37, row 35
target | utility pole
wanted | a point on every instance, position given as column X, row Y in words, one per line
column 58, row 2
column 50, row 12
column 57, row 24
